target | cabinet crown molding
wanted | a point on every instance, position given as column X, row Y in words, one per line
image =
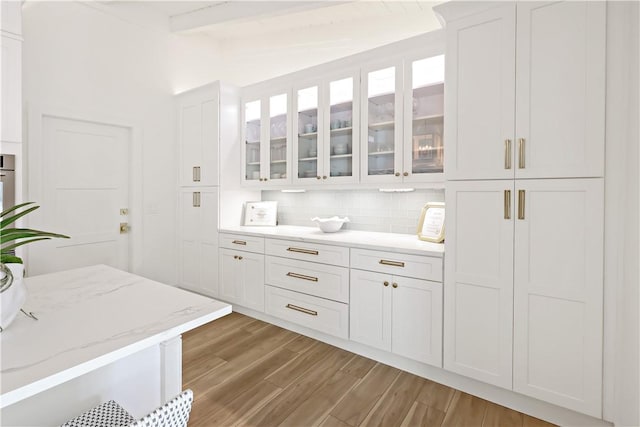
column 454, row 10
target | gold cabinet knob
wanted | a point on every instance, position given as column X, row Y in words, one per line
column 324, row 177
column 386, row 283
column 397, row 173
column 235, row 257
column 395, row 285
column 239, row 257
column 318, row 177
column 406, row 174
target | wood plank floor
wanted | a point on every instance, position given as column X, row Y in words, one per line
column 245, row 372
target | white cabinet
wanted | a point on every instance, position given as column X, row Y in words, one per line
column 558, row 293
column 523, row 282
column 526, row 100
column 478, row 280
column 266, row 153
column 198, row 240
column 398, row 314
column 242, row 278
column 198, row 133
column 11, row 73
column 326, row 130
column 403, row 114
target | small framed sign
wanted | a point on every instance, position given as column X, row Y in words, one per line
column 431, row 224
column 260, row 213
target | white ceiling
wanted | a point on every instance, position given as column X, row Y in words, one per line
column 239, row 19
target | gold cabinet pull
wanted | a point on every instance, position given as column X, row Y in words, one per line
column 507, row 204
column 507, row 154
column 521, row 204
column 302, row 276
column 194, row 174
column 239, row 242
column 391, row 263
column 302, row 309
column 521, row 158
column 386, row 283
column 196, row 199
column 395, row 285
column 303, row 251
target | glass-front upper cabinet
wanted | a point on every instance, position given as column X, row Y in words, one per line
column 341, row 126
column 278, row 139
column 252, row 143
column 424, row 119
column 326, row 122
column 266, row 156
column 382, row 125
column 307, row 150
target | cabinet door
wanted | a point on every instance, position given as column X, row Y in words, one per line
column 209, row 241
column 11, row 51
column 382, row 123
column 417, row 320
column 189, row 240
column 252, row 150
column 230, row 276
column 277, row 168
column 370, row 309
column 342, row 127
column 198, row 131
column 424, row 119
column 252, row 278
column 558, row 293
column 560, row 89
column 480, row 75
column 309, row 133
column 478, row 289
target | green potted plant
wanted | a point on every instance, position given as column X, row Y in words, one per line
column 12, row 290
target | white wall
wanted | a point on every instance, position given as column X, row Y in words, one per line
column 85, row 58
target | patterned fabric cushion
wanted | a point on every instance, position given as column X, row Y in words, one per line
column 174, row 413
column 108, row 414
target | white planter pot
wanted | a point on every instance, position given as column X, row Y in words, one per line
column 12, row 299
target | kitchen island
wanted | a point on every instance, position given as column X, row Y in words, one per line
column 101, row 334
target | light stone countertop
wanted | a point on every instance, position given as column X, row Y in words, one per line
column 90, row 317
column 391, row 242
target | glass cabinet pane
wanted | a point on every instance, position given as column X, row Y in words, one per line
column 427, row 152
column 308, row 132
column 341, row 127
column 381, row 121
column 252, row 140
column 278, row 136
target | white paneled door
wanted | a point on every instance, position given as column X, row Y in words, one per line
column 557, row 352
column 85, row 194
column 478, row 286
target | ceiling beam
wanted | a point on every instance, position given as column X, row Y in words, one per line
column 241, row 11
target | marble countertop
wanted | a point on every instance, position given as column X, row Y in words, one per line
column 88, row 318
column 391, row 242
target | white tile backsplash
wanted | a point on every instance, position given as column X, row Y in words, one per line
column 368, row 210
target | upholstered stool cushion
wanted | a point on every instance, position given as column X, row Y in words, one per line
column 174, row 413
column 108, row 414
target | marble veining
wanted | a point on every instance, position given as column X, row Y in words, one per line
column 89, row 317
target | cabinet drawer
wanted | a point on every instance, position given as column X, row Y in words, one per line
column 418, row 266
column 334, row 255
column 312, row 312
column 242, row 242
column 325, row 281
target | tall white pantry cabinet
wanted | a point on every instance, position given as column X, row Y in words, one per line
column 199, row 141
column 523, row 290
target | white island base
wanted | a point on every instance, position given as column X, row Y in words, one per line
column 102, row 334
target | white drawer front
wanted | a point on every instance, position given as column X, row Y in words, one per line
column 334, row 255
column 242, row 243
column 316, row 313
column 418, row 266
column 325, row 281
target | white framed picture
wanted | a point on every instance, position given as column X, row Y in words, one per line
column 261, row 213
column 431, row 223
